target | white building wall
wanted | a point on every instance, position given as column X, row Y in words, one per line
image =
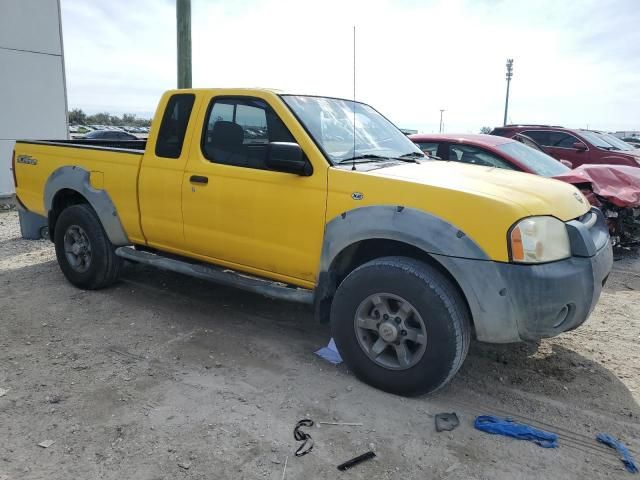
column 33, row 102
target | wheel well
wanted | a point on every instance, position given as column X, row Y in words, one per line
column 364, row 251
column 62, row 199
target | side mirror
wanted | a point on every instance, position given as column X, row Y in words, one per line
column 566, row 163
column 580, row 146
column 288, row 157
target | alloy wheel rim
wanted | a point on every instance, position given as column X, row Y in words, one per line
column 77, row 248
column 390, row 331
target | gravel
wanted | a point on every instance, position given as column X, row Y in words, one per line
column 118, row 379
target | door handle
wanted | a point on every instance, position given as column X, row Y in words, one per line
column 199, row 179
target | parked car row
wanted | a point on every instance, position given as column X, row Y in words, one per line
column 576, row 146
column 109, row 135
column 551, row 152
column 633, row 141
column 77, row 131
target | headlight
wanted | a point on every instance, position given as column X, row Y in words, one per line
column 538, row 240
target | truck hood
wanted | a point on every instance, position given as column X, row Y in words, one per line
column 534, row 194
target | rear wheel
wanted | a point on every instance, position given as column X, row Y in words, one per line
column 85, row 255
column 400, row 325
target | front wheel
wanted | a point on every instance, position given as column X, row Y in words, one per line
column 85, row 255
column 400, row 325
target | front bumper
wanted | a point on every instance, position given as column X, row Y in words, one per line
column 512, row 302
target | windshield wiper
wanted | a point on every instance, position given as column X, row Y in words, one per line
column 407, row 157
column 410, row 157
column 366, row 156
column 413, row 155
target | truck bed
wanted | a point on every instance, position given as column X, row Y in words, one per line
column 112, row 166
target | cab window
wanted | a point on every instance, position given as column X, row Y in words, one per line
column 238, row 131
column 541, row 137
column 429, row 148
column 561, row 140
column 477, row 156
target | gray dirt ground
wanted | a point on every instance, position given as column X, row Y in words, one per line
column 163, row 372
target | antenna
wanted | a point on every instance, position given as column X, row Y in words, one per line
column 353, row 165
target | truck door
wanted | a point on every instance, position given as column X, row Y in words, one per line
column 161, row 174
column 240, row 213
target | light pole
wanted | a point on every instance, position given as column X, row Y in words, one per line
column 183, row 23
column 441, row 124
column 509, row 75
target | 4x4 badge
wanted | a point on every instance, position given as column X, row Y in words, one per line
column 578, row 197
column 357, row 196
column 26, row 159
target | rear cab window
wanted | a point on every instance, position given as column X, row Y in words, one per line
column 174, row 125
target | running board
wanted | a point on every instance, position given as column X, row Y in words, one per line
column 268, row 288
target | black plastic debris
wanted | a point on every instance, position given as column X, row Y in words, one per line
column 355, row 461
column 304, row 437
column 445, row 422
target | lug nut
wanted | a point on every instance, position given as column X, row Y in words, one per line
column 398, row 320
column 403, row 333
column 385, row 316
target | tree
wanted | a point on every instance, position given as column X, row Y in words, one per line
column 102, row 118
column 77, row 117
column 486, row 130
column 128, row 119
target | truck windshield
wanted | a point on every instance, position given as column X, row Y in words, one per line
column 536, row 161
column 330, row 121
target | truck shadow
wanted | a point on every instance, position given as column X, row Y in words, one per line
column 548, row 371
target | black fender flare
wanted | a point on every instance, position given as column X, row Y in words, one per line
column 78, row 179
column 427, row 232
column 415, row 227
column 447, row 245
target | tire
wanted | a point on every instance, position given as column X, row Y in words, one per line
column 426, row 313
column 79, row 225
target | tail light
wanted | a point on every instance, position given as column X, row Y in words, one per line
column 13, row 169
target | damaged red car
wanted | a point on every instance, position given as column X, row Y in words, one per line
column 615, row 189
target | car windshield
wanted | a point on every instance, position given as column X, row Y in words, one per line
column 330, row 121
column 536, row 161
column 597, row 140
column 616, row 142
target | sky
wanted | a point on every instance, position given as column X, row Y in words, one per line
column 576, row 63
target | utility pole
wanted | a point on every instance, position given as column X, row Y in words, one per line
column 441, row 124
column 183, row 22
column 509, row 75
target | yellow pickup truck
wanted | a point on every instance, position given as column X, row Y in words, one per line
column 323, row 201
